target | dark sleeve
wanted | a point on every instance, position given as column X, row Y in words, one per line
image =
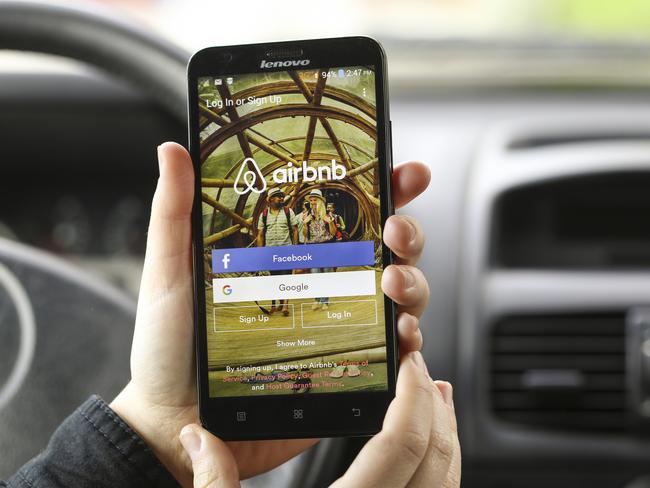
column 93, row 447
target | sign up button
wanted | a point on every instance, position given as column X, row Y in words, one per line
column 251, row 318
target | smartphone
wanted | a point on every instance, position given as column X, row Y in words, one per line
column 292, row 155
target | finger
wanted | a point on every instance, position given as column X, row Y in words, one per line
column 441, row 463
column 161, row 357
column 406, row 286
column 408, row 333
column 408, row 181
column 447, row 392
column 404, row 236
column 267, row 454
column 452, row 479
column 391, row 457
column 212, row 462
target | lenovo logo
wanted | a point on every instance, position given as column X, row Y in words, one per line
column 284, row 64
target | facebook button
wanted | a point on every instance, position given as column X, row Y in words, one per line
column 328, row 255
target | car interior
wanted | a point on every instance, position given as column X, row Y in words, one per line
column 537, row 225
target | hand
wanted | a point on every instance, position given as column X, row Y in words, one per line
column 161, row 397
column 417, row 446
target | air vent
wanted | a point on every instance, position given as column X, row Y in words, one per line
column 564, row 372
column 597, row 221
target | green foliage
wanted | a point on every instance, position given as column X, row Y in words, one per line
column 599, row 18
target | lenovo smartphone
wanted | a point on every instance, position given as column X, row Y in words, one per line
column 292, row 155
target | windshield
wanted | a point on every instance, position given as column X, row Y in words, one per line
column 198, row 23
column 429, row 43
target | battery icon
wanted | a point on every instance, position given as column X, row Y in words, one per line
column 341, row 73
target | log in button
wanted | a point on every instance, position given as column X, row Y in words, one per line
column 347, row 313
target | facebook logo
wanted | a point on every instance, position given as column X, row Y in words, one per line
column 225, row 260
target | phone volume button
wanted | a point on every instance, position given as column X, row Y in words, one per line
column 391, row 209
column 390, row 144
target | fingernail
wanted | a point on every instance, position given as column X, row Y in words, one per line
column 447, row 392
column 416, row 357
column 160, row 158
column 415, row 326
column 410, row 321
column 419, row 362
column 411, row 228
column 191, row 441
column 409, row 278
column 418, row 334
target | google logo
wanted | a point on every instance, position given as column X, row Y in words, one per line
column 226, row 290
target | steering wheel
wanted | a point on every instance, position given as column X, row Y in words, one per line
column 64, row 334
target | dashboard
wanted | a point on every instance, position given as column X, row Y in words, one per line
column 79, row 169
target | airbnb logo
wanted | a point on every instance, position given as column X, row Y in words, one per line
column 247, row 177
column 291, row 174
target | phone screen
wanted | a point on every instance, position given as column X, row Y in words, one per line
column 291, row 227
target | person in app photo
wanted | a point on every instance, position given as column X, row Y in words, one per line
column 318, row 227
column 341, row 234
column 277, row 226
column 301, row 221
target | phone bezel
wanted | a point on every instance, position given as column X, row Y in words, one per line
column 328, row 414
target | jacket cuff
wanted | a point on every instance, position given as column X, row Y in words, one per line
column 94, row 447
column 130, row 445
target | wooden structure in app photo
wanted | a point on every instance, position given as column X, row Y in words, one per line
column 360, row 187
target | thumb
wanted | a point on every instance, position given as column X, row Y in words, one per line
column 162, row 342
column 168, row 241
column 212, row 462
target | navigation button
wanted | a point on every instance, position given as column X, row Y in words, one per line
column 356, row 412
column 241, row 416
column 298, row 413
